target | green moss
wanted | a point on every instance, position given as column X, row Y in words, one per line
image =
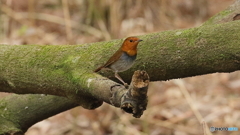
column 3, row 108
column 225, row 12
column 8, row 126
column 218, row 17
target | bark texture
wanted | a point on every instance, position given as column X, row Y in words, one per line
column 19, row 112
column 67, row 71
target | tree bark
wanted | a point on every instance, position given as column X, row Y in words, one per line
column 67, row 71
column 19, row 112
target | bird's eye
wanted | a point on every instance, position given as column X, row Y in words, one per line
column 131, row 40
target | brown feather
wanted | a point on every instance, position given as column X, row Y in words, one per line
column 98, row 69
column 113, row 59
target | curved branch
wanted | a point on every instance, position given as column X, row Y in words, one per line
column 19, row 112
column 15, row 107
column 67, row 70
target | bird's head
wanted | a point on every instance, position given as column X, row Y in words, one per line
column 130, row 45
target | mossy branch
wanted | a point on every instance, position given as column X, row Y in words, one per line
column 19, row 112
column 67, row 71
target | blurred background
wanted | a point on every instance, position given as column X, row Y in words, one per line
column 176, row 107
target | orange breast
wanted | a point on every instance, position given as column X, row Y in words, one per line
column 130, row 50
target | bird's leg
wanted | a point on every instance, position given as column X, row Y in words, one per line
column 120, row 79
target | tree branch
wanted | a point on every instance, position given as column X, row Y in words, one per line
column 66, row 71
column 230, row 14
column 19, row 112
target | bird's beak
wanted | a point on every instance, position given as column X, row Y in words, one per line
column 140, row 40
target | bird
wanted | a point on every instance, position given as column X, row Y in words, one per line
column 123, row 58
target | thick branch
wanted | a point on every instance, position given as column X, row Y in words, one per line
column 67, row 70
column 19, row 112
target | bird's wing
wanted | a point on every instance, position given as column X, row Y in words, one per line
column 114, row 58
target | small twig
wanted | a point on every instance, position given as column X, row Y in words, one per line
column 204, row 127
column 67, row 20
column 31, row 11
column 190, row 101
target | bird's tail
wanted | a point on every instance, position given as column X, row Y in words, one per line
column 98, row 69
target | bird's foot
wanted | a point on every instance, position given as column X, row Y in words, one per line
column 125, row 85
